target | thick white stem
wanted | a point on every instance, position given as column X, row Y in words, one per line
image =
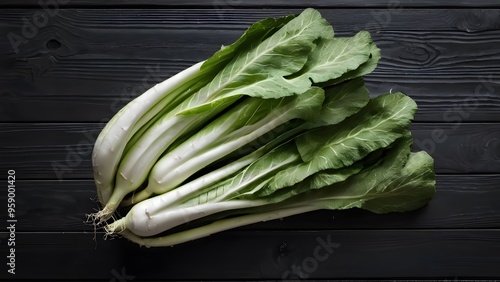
column 141, row 222
column 162, row 180
column 139, row 160
column 166, row 199
column 111, row 142
column 142, row 156
column 215, row 227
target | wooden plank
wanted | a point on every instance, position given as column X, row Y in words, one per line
column 238, row 4
column 460, row 202
column 452, row 74
column 460, row 147
column 235, row 255
column 344, row 19
column 63, row 151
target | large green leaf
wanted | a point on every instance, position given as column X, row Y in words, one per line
column 277, row 193
column 376, row 126
column 315, row 181
column 334, row 57
column 364, row 69
column 256, row 33
column 357, row 188
column 408, row 189
column 401, row 181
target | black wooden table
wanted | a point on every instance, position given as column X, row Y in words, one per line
column 68, row 66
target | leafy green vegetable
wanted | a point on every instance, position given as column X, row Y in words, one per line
column 276, row 124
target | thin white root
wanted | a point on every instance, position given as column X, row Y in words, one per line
column 100, row 217
column 96, row 219
column 109, row 234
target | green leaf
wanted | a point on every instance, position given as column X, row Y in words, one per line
column 257, row 32
column 376, row 126
column 364, row 69
column 334, row 57
column 362, row 186
column 277, row 193
column 342, row 101
column 399, row 182
column 409, row 189
column 318, row 180
column 254, row 35
column 306, row 106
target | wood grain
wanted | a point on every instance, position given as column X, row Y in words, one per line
column 463, row 201
column 62, row 151
column 243, row 255
column 469, row 20
column 460, row 147
column 239, row 4
column 100, row 65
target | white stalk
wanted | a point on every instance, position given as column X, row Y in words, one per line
column 196, row 144
column 186, row 190
column 137, row 169
column 165, row 177
column 138, row 161
column 141, row 222
column 111, row 142
column 209, row 229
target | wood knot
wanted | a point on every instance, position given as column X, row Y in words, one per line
column 475, row 20
column 418, row 53
column 53, row 44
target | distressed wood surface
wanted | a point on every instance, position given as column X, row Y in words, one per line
column 467, row 20
column 88, row 58
column 240, row 4
column 266, row 255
